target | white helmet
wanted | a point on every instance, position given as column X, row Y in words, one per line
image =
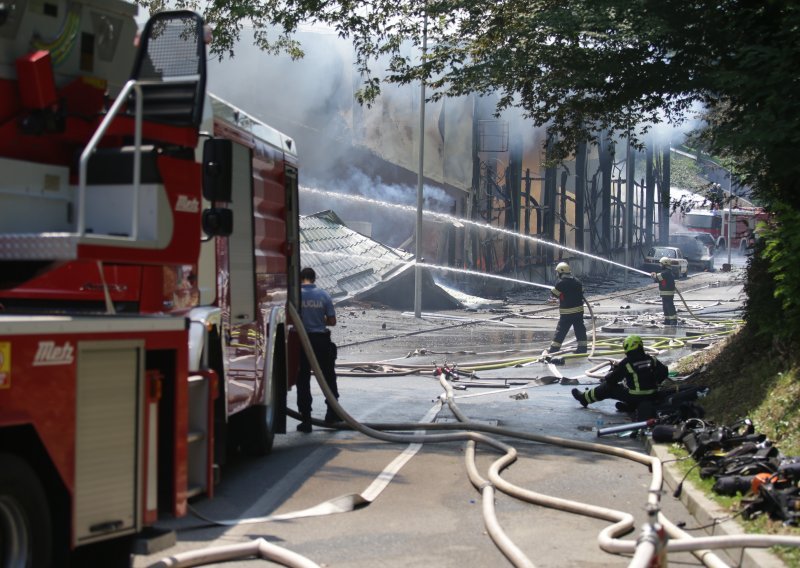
column 665, row 261
column 563, row 268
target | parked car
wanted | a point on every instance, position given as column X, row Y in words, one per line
column 705, row 238
column 694, row 249
column 679, row 265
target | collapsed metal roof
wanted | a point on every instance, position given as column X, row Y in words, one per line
column 353, row 267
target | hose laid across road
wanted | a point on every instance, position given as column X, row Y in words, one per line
column 471, row 432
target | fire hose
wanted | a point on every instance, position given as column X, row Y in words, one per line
column 608, row 538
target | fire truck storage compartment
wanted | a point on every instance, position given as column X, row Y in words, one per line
column 241, row 242
column 199, row 450
column 38, row 200
column 110, row 391
column 42, row 201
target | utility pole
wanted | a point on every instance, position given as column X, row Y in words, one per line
column 418, row 233
column 730, row 216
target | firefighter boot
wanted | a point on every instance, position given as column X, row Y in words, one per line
column 578, row 395
column 623, row 407
column 305, row 425
column 331, row 416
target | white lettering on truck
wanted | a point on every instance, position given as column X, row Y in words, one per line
column 49, row 354
column 186, row 204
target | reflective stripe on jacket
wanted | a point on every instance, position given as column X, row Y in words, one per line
column 641, row 373
column 635, row 382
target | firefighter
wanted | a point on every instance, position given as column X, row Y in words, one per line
column 317, row 313
column 634, row 381
column 666, row 289
column 569, row 292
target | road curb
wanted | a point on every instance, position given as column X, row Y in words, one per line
column 705, row 512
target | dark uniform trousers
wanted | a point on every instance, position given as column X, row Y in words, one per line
column 668, row 305
column 617, row 391
column 638, row 389
column 566, row 321
column 325, row 352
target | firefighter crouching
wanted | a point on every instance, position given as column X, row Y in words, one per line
column 569, row 292
column 634, row 381
column 666, row 289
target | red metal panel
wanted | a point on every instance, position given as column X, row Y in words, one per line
column 41, row 388
column 9, row 99
column 41, row 384
column 80, row 281
column 185, row 136
column 37, row 87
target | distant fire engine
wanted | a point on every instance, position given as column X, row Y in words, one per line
column 716, row 222
column 149, row 247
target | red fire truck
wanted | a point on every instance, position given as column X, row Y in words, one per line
column 743, row 224
column 149, row 247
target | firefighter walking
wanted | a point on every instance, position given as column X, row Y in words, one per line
column 666, row 289
column 569, row 292
column 634, row 381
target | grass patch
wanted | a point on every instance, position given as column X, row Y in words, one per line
column 749, row 378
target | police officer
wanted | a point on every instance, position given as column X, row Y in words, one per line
column 634, row 380
column 569, row 292
column 317, row 313
column 666, row 289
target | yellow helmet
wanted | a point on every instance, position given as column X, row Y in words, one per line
column 631, row 343
column 563, row 268
column 665, row 261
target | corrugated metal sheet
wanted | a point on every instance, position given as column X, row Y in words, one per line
column 346, row 262
column 352, row 266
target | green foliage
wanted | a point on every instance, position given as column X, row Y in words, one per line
column 763, row 308
column 780, row 270
column 685, row 174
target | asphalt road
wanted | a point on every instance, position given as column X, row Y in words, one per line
column 417, row 506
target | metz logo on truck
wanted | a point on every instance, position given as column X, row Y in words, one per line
column 186, row 204
column 49, row 354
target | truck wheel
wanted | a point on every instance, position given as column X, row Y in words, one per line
column 25, row 526
column 261, row 424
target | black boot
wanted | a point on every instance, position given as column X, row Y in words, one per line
column 305, row 425
column 578, row 395
column 623, row 407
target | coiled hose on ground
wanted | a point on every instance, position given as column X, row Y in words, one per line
column 622, row 523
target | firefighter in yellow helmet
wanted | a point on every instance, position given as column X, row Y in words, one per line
column 569, row 292
column 666, row 289
column 634, row 380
